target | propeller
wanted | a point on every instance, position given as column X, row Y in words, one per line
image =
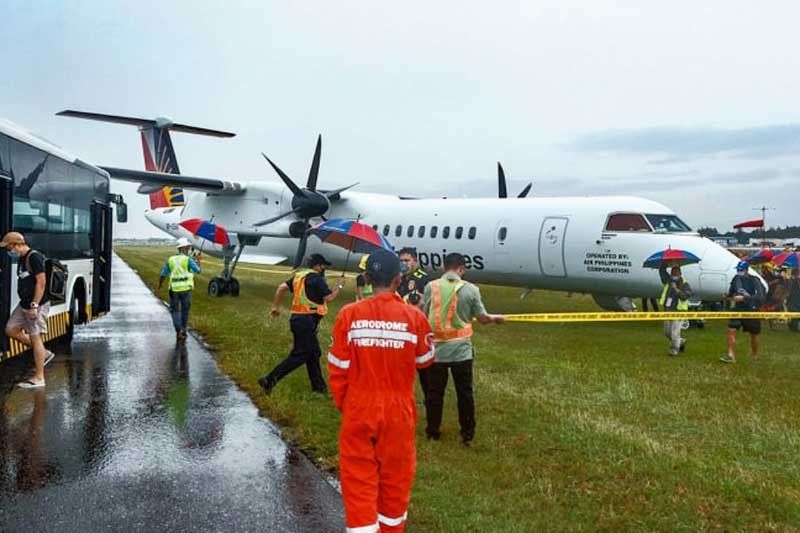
column 307, row 202
column 502, row 190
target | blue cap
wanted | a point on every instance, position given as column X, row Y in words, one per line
column 743, row 265
column 383, row 266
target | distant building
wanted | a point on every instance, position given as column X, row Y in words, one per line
column 772, row 242
column 726, row 241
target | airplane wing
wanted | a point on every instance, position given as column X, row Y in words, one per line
column 154, row 181
column 261, row 259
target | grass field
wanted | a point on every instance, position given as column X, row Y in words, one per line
column 580, row 426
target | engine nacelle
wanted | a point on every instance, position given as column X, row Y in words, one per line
column 614, row 303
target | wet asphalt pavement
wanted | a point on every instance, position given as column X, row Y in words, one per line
column 132, row 434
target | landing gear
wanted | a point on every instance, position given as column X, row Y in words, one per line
column 226, row 283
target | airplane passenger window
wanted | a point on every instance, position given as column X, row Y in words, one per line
column 434, row 231
column 445, row 232
column 386, row 230
column 398, row 231
column 502, row 233
column 421, row 232
column 668, row 224
column 375, row 227
column 410, row 232
column 472, row 231
column 627, row 222
column 459, row 232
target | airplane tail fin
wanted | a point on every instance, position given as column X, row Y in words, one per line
column 159, row 154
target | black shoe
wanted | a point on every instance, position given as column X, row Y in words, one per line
column 683, row 346
column 433, row 436
column 266, row 385
column 466, row 442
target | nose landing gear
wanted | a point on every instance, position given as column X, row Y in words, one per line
column 225, row 283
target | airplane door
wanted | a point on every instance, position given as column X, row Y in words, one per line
column 551, row 246
column 6, row 221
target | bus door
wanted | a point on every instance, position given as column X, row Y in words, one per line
column 6, row 221
column 101, row 248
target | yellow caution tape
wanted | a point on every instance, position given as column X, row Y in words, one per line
column 633, row 316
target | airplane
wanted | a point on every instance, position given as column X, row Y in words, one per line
column 594, row 245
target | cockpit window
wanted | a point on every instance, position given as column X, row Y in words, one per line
column 627, row 222
column 668, row 224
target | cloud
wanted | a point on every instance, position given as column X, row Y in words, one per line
column 678, row 144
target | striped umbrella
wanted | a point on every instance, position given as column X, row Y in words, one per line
column 765, row 255
column 670, row 257
column 787, row 259
column 205, row 229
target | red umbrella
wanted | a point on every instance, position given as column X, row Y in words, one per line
column 207, row 230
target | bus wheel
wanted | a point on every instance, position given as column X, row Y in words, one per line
column 216, row 287
column 233, row 287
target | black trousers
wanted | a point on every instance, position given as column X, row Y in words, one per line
column 437, row 384
column 423, row 383
column 305, row 351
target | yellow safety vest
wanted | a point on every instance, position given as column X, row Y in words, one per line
column 683, row 305
column 181, row 278
column 447, row 325
column 301, row 305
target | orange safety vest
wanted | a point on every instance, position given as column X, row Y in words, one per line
column 301, row 305
column 447, row 325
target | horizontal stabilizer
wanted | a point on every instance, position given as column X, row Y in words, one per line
column 145, row 123
column 162, row 179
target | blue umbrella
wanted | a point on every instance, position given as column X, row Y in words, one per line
column 671, row 257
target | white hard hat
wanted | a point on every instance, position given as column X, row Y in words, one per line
column 183, row 241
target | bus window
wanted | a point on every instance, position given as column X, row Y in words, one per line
column 668, row 224
column 459, row 232
column 421, row 232
column 627, row 222
column 410, row 231
column 434, row 231
column 445, row 232
column 472, row 232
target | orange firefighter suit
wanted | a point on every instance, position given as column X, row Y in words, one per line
column 378, row 343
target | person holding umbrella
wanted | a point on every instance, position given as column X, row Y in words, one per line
column 676, row 292
column 311, row 295
column 180, row 270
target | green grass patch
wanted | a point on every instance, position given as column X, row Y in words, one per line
column 580, row 426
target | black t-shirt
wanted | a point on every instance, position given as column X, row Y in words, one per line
column 752, row 290
column 412, row 287
column 26, row 279
column 316, row 287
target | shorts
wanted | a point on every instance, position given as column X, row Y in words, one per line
column 749, row 325
column 32, row 326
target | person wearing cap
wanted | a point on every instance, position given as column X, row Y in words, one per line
column 748, row 294
column 310, row 296
column 180, row 270
column 377, row 344
column 450, row 304
column 363, row 289
column 674, row 298
column 28, row 321
column 411, row 289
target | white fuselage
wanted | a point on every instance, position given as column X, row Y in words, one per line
column 547, row 243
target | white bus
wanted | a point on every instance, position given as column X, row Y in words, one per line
column 63, row 207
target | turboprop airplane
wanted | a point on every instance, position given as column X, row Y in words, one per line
column 593, row 245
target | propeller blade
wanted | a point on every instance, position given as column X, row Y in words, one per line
column 297, row 191
column 273, row 219
column 525, row 191
column 335, row 192
column 301, row 249
column 502, row 192
column 314, row 172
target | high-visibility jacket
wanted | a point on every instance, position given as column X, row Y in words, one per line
column 443, row 313
column 378, row 343
column 683, row 305
column 301, row 305
column 181, row 278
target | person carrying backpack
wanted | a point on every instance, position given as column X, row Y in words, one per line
column 28, row 321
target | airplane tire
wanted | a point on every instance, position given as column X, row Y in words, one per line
column 216, row 287
column 233, row 287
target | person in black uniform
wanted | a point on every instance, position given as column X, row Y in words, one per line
column 411, row 290
column 310, row 296
column 748, row 294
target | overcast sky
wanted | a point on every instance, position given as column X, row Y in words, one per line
column 693, row 104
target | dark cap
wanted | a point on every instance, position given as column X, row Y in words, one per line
column 383, row 266
column 317, row 259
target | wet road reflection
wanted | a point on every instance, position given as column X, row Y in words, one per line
column 133, row 433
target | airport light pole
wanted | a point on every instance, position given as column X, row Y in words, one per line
column 763, row 210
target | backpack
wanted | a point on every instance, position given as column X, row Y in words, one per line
column 56, row 274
